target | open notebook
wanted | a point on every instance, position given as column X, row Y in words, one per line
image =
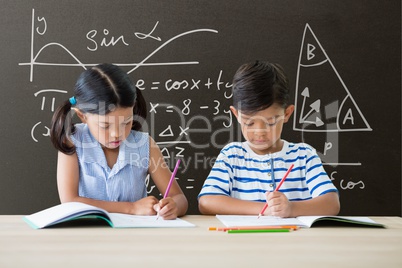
column 75, row 210
column 303, row 221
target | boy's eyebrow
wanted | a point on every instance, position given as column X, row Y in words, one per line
column 252, row 116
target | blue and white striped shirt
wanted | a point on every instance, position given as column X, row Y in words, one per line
column 240, row 173
column 125, row 181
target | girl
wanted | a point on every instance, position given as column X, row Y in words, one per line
column 104, row 161
column 245, row 174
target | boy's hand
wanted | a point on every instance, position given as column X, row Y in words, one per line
column 167, row 208
column 278, row 204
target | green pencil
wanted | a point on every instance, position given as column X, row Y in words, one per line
column 274, row 230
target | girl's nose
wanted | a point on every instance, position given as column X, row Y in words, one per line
column 116, row 132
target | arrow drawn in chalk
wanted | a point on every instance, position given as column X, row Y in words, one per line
column 315, row 107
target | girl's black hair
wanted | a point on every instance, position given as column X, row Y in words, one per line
column 258, row 85
column 98, row 90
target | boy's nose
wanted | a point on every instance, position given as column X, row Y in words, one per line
column 261, row 128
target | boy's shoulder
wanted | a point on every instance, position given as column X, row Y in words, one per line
column 299, row 147
column 234, row 147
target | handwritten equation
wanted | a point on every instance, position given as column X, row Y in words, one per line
column 106, row 41
column 173, row 135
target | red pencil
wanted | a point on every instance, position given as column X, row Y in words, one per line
column 276, row 189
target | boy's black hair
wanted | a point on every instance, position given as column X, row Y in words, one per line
column 258, row 85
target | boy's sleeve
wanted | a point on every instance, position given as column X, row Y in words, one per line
column 317, row 178
column 219, row 180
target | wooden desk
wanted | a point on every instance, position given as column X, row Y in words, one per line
column 102, row 246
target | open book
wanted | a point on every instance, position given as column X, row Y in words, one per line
column 302, row 221
column 75, row 210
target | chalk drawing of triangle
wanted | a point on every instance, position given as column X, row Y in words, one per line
column 165, row 153
column 318, row 82
column 167, row 132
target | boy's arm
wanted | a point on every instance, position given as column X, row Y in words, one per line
column 221, row 204
column 326, row 204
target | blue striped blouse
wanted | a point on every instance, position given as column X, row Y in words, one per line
column 240, row 173
column 125, row 181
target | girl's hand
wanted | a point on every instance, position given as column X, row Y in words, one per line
column 278, row 204
column 144, row 206
column 167, row 208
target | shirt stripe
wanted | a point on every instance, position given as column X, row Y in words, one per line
column 240, row 173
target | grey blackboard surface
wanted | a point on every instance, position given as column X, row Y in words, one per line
column 343, row 59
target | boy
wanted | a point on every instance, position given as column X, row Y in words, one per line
column 245, row 174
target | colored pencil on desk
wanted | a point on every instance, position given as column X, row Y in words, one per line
column 276, row 189
column 224, row 229
column 258, row 227
column 172, row 178
column 273, row 230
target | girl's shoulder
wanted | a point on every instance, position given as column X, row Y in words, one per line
column 139, row 134
column 81, row 132
column 79, row 127
column 138, row 139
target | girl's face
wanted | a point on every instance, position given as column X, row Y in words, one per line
column 262, row 130
column 112, row 129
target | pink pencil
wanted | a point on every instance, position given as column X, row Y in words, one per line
column 172, row 178
column 276, row 189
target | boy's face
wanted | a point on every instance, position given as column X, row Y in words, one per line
column 263, row 129
column 112, row 129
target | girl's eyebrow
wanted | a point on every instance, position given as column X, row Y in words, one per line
column 128, row 118
column 125, row 120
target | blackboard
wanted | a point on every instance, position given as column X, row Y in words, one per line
column 343, row 60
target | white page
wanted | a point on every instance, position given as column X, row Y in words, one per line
column 243, row 220
column 309, row 220
column 130, row 221
column 60, row 212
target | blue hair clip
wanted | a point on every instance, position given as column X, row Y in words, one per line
column 73, row 101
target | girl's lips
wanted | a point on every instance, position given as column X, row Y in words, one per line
column 115, row 143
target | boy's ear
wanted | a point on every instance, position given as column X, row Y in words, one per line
column 288, row 112
column 235, row 112
column 80, row 115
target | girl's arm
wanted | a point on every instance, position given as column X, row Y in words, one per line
column 161, row 174
column 67, row 184
column 221, row 204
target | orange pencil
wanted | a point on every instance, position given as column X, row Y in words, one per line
column 277, row 188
